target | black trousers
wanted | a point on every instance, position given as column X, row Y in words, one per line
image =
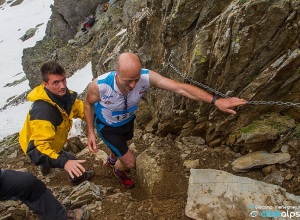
column 23, row 186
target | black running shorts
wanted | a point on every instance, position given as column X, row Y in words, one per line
column 115, row 137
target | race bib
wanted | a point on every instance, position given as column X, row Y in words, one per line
column 124, row 114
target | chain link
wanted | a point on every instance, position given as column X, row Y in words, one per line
column 273, row 103
column 197, row 83
column 224, row 95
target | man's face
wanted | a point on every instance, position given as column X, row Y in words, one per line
column 57, row 84
column 128, row 83
column 128, row 71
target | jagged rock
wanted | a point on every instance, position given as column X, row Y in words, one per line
column 29, row 33
column 15, row 214
column 258, row 159
column 193, row 140
column 275, row 177
column 258, row 134
column 268, row 169
column 144, row 119
column 101, row 156
column 285, row 148
column 294, row 142
column 82, row 195
column 288, row 176
column 191, row 163
column 152, row 125
column 149, row 170
column 74, row 144
column 72, row 59
column 66, row 16
column 17, row 2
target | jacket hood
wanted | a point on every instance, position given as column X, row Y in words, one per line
column 39, row 93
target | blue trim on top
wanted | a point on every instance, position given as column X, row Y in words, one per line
column 109, row 80
column 144, row 71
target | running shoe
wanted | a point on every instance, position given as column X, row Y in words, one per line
column 124, row 180
column 87, row 175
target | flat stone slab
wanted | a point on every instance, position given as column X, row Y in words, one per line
column 216, row 194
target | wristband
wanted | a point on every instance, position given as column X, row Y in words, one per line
column 214, row 99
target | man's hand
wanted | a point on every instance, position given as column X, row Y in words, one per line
column 74, row 167
column 226, row 104
column 91, row 142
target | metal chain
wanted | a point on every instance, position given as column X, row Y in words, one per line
column 197, row 83
column 224, row 95
column 273, row 103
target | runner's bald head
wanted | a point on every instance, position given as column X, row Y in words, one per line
column 128, row 64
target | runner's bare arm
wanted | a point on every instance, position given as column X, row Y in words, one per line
column 193, row 92
column 92, row 96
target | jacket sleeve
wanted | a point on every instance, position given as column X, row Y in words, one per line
column 40, row 149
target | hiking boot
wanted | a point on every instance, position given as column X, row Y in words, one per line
column 44, row 170
column 88, row 175
column 124, row 180
column 77, row 214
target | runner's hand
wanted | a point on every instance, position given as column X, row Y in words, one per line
column 227, row 104
column 92, row 143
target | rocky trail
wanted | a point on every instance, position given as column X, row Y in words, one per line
column 167, row 199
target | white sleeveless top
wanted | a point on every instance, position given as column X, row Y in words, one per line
column 111, row 108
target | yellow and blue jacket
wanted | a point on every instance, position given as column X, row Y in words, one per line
column 47, row 124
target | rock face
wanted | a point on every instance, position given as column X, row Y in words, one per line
column 67, row 16
column 248, row 49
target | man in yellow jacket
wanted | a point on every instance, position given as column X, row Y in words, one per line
column 48, row 122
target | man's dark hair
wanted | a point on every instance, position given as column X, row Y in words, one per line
column 51, row 67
